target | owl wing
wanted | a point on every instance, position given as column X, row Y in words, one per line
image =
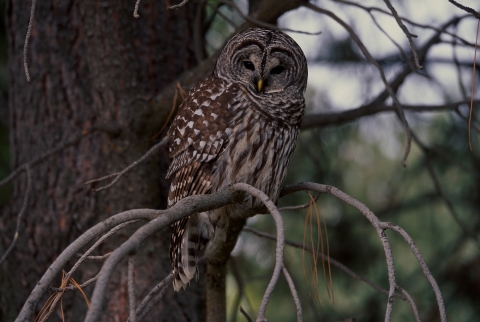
column 198, row 135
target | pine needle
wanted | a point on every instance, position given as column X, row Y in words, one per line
column 50, row 304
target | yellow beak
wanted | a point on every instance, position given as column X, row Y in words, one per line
column 260, row 85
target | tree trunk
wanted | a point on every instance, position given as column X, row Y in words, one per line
column 94, row 67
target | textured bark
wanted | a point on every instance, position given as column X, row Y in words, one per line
column 92, row 64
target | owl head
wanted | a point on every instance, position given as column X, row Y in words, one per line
column 264, row 61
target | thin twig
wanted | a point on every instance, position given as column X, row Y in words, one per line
column 97, row 243
column 20, row 215
column 423, row 265
column 406, row 32
column 27, row 38
column 334, row 262
column 120, row 174
column 73, row 287
column 296, row 299
column 336, row 118
column 152, row 304
column 131, row 288
column 184, row 2
column 95, row 258
column 159, row 287
column 464, row 8
column 400, row 49
column 223, row 16
column 280, row 243
column 413, row 23
column 67, row 276
column 56, row 267
column 42, row 157
column 473, row 88
column 245, row 314
column 135, row 11
column 299, row 206
column 411, row 301
column 447, row 201
column 369, row 57
column 380, row 228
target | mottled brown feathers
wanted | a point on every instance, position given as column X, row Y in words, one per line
column 238, row 125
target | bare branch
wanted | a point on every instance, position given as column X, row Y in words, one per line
column 336, row 118
column 411, row 301
column 221, row 14
column 27, row 38
column 73, row 287
column 296, row 299
column 423, row 265
column 334, row 262
column 95, row 258
column 406, row 32
column 380, row 228
column 184, row 2
column 464, row 8
column 369, row 57
column 43, row 157
column 413, row 23
column 97, row 243
column 20, row 215
column 299, row 206
column 280, row 243
column 245, row 314
column 135, row 11
column 120, row 174
column 183, row 208
column 159, row 287
column 262, row 23
column 72, row 249
column 131, row 288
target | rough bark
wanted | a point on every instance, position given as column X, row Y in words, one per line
column 92, row 64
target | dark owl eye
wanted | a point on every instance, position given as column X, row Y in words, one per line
column 277, row 70
column 248, row 65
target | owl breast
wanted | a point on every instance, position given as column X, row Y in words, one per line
column 258, row 152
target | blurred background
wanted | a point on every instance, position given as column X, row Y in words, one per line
column 435, row 198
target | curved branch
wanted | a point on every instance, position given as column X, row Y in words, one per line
column 280, row 243
column 183, row 208
column 370, row 58
column 56, row 267
column 380, row 228
column 296, row 299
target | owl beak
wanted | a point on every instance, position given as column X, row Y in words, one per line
column 260, row 85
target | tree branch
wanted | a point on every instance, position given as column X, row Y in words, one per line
column 336, row 118
column 296, row 299
column 380, row 228
column 370, row 58
column 20, row 214
column 406, row 32
column 132, row 166
column 334, row 262
column 465, row 8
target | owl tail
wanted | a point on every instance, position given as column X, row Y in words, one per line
column 189, row 236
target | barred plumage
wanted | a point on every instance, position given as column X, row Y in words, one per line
column 240, row 124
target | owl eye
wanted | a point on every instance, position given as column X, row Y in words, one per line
column 248, row 65
column 277, row 70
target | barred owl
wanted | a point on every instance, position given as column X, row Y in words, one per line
column 240, row 124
